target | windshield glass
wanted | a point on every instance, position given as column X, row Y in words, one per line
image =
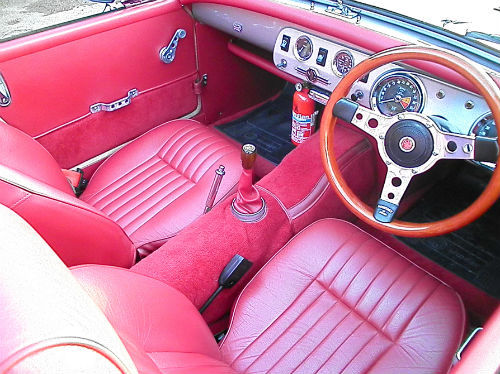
column 478, row 20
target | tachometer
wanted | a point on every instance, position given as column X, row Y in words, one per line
column 303, row 48
column 396, row 93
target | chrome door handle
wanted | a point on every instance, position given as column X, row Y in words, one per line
column 115, row 105
column 5, row 98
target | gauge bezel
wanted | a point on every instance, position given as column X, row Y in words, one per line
column 479, row 119
column 487, row 165
column 334, row 62
column 398, row 72
column 296, row 52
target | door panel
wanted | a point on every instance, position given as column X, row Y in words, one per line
column 55, row 76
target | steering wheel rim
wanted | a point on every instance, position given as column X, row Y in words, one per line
column 485, row 86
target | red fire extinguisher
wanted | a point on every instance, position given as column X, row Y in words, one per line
column 303, row 115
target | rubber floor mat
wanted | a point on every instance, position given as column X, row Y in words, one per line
column 267, row 127
column 472, row 252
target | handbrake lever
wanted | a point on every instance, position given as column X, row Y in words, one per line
column 230, row 275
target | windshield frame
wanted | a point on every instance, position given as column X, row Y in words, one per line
column 471, row 48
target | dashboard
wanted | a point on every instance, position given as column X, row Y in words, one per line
column 390, row 89
column 323, row 60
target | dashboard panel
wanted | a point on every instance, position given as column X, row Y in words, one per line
column 323, row 60
column 390, row 89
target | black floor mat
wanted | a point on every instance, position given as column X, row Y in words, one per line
column 472, row 252
column 267, row 127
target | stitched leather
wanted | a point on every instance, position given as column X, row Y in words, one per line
column 161, row 325
column 248, row 200
column 335, row 300
column 19, row 153
column 158, row 184
column 39, row 192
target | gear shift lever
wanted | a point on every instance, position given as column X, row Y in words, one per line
column 248, row 205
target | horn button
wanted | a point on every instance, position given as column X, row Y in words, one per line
column 409, row 143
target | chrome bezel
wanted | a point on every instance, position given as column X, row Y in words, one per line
column 479, row 119
column 4, row 90
column 488, row 165
column 402, row 73
column 296, row 52
column 334, row 62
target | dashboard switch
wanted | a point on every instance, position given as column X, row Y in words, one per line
column 285, row 43
column 322, row 54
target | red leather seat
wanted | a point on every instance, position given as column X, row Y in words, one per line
column 141, row 196
column 159, row 183
column 333, row 300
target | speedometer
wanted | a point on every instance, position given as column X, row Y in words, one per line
column 396, row 93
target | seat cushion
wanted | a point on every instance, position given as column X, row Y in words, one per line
column 158, row 184
column 336, row 300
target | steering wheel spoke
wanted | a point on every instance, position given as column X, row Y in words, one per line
column 370, row 121
column 456, row 146
column 396, row 183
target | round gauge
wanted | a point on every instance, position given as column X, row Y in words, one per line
column 303, row 48
column 485, row 126
column 342, row 63
column 396, row 93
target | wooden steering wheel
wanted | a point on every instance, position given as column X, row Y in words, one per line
column 410, row 144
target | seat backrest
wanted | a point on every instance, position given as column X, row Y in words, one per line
column 32, row 185
column 48, row 324
column 22, row 153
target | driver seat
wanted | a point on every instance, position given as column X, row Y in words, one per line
column 333, row 300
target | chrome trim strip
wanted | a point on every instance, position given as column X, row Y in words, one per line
column 250, row 217
column 464, row 345
column 196, row 110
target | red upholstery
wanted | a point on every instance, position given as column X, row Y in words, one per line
column 152, row 188
column 248, row 199
column 160, row 321
column 41, row 165
column 158, row 184
column 482, row 355
column 42, row 306
column 335, row 300
column 32, row 184
column 350, row 306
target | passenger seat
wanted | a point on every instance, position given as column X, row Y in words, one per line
column 137, row 199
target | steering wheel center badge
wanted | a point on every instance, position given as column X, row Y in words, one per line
column 407, row 144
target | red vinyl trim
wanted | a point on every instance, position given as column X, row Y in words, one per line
column 78, row 30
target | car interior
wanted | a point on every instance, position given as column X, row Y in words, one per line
column 272, row 186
